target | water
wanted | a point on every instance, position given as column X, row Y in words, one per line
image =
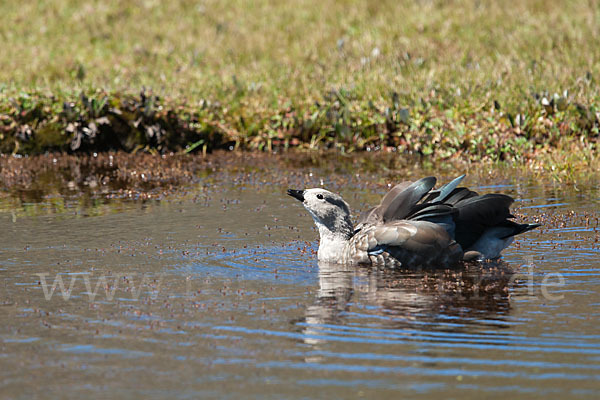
column 216, row 293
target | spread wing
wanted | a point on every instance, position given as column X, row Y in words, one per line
column 375, row 215
column 397, row 203
column 413, row 218
column 404, row 200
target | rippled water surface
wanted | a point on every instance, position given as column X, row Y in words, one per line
column 216, row 293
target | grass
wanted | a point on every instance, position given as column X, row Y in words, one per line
column 500, row 80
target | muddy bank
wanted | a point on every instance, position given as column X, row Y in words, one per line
column 544, row 133
column 146, row 176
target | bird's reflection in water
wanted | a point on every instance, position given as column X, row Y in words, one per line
column 462, row 300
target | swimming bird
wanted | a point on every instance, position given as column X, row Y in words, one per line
column 415, row 225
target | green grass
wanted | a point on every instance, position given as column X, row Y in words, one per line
column 437, row 78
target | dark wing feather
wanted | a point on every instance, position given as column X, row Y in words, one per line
column 393, row 193
column 459, row 194
column 491, row 207
column 476, row 214
column 462, row 213
column 402, row 203
column 436, row 211
column 440, row 214
column 439, row 195
column 374, row 215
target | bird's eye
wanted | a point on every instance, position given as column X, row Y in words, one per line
column 320, row 196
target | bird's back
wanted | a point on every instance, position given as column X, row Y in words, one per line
column 404, row 243
column 444, row 222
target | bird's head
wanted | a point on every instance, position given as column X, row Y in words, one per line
column 328, row 209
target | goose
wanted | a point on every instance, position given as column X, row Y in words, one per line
column 415, row 225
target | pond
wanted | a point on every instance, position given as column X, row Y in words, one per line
column 213, row 290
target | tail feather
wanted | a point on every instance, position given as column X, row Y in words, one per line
column 520, row 228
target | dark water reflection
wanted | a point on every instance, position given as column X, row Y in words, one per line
column 406, row 298
column 216, row 292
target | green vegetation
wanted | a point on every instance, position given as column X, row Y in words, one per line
column 466, row 79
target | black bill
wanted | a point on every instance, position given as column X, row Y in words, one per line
column 297, row 194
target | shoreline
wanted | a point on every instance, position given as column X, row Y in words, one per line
column 556, row 136
column 145, row 176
